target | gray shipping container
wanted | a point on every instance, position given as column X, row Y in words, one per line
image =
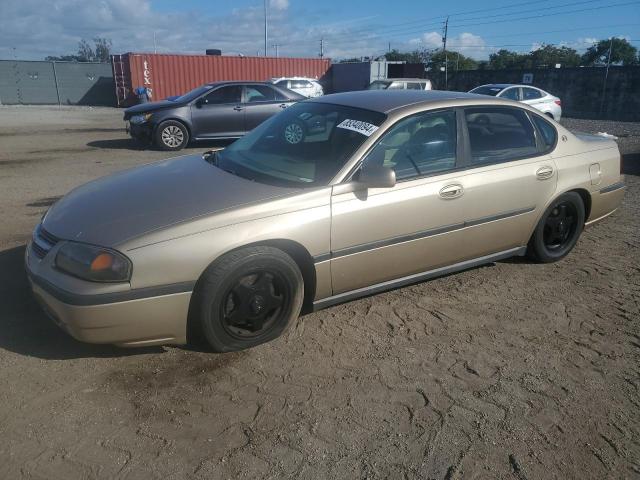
column 49, row 83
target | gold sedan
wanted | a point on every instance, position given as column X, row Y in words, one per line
column 334, row 198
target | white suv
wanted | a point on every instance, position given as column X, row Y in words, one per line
column 401, row 84
column 309, row 87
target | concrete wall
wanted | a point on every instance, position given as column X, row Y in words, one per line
column 580, row 89
column 65, row 83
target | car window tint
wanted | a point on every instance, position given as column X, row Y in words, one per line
column 230, row 94
column 396, row 86
column 531, row 93
column 547, row 131
column 282, row 83
column 499, row 134
column 419, row 145
column 259, row 93
column 511, row 94
column 414, row 86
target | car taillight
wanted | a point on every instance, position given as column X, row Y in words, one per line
column 558, row 102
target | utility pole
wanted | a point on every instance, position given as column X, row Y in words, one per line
column 155, row 47
column 266, row 36
column 444, row 49
column 389, row 49
column 321, row 47
column 606, row 74
column 276, row 45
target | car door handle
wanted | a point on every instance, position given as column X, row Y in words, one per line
column 544, row 172
column 283, row 105
column 451, row 191
column 238, row 108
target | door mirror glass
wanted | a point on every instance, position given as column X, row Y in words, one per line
column 376, row 176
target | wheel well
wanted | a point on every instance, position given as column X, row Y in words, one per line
column 549, row 114
column 586, row 200
column 295, row 250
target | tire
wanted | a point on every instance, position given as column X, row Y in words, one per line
column 295, row 132
column 558, row 230
column 171, row 135
column 238, row 305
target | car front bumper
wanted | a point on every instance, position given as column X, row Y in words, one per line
column 149, row 320
column 140, row 131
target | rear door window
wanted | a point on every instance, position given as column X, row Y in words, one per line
column 531, row 93
column 414, row 86
column 511, row 93
column 300, row 84
column 396, row 86
column 499, row 134
column 261, row 93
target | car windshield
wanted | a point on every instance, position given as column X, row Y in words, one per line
column 487, row 90
column 378, row 85
column 193, row 94
column 303, row 146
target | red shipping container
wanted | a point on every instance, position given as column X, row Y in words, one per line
column 167, row 75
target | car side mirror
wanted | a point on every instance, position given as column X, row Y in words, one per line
column 200, row 102
column 376, row 176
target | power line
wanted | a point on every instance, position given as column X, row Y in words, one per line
column 347, row 37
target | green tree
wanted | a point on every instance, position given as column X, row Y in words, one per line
column 87, row 53
column 455, row 60
column 504, row 58
column 417, row 56
column 622, row 53
column 549, row 55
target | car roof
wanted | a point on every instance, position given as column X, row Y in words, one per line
column 277, row 79
column 384, row 101
column 236, row 82
column 402, row 80
column 506, row 85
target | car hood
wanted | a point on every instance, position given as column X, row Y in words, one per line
column 150, row 107
column 126, row 205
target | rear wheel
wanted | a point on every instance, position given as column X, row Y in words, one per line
column 249, row 297
column 171, row 135
column 558, row 230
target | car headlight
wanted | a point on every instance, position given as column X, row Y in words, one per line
column 96, row 264
column 142, row 118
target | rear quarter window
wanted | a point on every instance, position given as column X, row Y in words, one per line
column 548, row 133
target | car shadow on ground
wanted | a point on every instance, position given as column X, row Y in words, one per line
column 631, row 164
column 26, row 329
column 130, row 144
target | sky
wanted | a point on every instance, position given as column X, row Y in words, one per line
column 34, row 29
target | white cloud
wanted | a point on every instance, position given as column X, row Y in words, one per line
column 279, row 4
column 466, row 43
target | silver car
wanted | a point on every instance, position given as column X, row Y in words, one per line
column 548, row 104
column 333, row 198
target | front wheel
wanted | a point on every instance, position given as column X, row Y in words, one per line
column 171, row 135
column 249, row 297
column 558, row 230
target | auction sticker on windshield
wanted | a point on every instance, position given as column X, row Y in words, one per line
column 358, row 126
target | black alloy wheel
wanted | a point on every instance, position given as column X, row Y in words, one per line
column 248, row 297
column 558, row 230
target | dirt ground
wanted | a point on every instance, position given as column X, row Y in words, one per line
column 511, row 371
